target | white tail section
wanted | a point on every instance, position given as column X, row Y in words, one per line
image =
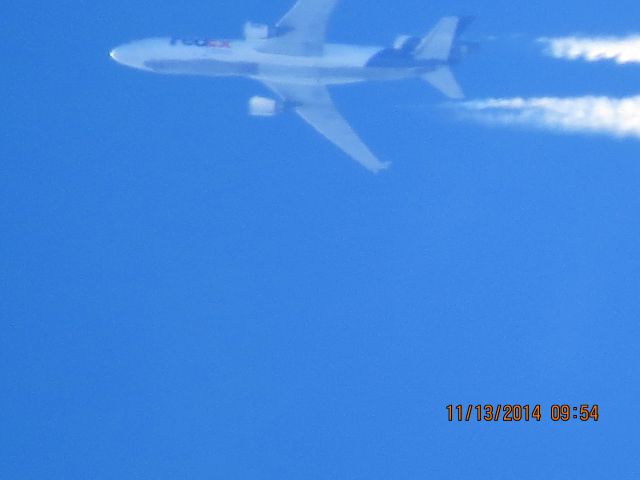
column 443, row 80
column 438, row 43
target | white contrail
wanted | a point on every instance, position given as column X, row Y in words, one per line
column 594, row 49
column 618, row 117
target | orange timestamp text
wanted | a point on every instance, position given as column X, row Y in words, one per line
column 523, row 413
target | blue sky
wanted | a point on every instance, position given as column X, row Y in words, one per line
column 187, row 292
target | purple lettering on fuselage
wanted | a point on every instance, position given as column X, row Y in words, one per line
column 199, row 42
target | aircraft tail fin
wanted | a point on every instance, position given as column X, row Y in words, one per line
column 440, row 42
column 440, row 46
column 444, row 81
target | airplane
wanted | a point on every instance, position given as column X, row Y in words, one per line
column 293, row 60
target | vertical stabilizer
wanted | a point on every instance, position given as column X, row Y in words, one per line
column 436, row 48
column 438, row 43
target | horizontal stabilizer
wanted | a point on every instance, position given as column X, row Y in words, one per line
column 443, row 80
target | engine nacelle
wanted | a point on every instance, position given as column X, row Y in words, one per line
column 400, row 41
column 406, row 43
column 257, row 31
column 264, row 107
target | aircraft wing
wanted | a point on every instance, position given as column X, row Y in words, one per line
column 302, row 30
column 313, row 103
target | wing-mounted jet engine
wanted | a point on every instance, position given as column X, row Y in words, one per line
column 268, row 107
column 264, row 107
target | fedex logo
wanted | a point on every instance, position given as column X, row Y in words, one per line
column 201, row 42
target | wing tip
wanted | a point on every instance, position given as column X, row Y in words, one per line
column 381, row 167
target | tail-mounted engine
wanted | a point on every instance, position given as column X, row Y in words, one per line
column 258, row 31
column 406, row 43
column 264, row 107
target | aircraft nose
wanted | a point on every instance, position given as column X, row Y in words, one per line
column 124, row 55
column 114, row 54
column 132, row 55
column 129, row 55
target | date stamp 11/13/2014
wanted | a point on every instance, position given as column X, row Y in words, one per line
column 563, row 413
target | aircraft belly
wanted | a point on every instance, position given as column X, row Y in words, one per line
column 206, row 67
column 327, row 75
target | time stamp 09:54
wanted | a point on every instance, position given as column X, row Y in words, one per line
column 563, row 413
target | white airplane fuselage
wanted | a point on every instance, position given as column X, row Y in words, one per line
column 295, row 62
column 338, row 64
